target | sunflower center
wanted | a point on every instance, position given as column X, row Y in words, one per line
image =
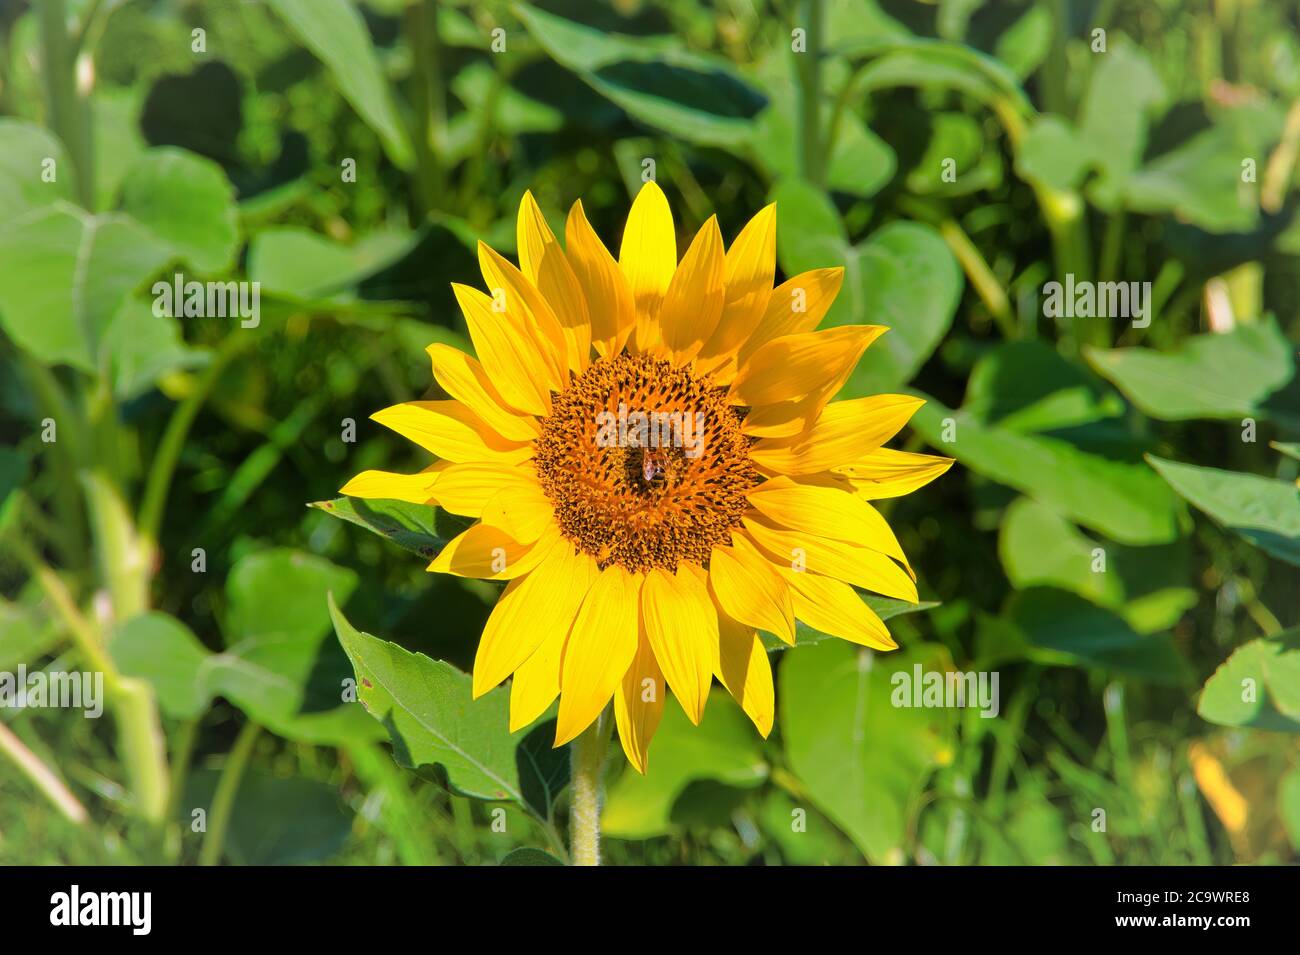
column 645, row 464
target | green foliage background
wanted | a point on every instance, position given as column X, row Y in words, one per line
column 955, row 156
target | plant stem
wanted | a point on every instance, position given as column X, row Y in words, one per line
column 134, row 710
column 223, row 799
column 587, row 770
column 124, row 558
column 68, row 115
column 810, row 100
column 42, row 777
column 158, row 483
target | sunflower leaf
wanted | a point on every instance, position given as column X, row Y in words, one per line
column 439, row 731
column 860, row 758
column 1263, row 511
column 420, row 528
column 1258, row 685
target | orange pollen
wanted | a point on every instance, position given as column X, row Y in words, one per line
column 645, row 464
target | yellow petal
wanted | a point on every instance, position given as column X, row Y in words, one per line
column 537, row 680
column 639, row 705
column 682, row 627
column 834, row 607
column 532, row 609
column 604, row 287
column 464, row 379
column 601, row 647
column 532, row 234
column 648, row 253
column 825, row 511
column 515, row 365
column 521, row 508
column 794, row 365
column 749, row 589
column 468, row 487
column 451, row 430
column 743, row 668
column 860, row 566
column 385, row 485
column 845, row 432
column 522, row 300
column 544, row 264
column 489, row 553
column 750, row 268
column 797, row 305
column 693, row 303
column 888, row 473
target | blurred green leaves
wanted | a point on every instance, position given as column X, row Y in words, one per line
column 902, row 276
column 861, row 759
column 1258, row 685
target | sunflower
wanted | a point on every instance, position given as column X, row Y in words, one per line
column 656, row 469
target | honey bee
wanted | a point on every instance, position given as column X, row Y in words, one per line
column 654, row 466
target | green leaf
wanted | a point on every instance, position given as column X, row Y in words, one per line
column 860, row 164
column 1028, row 387
column 275, row 820
column 1200, row 181
column 1228, row 375
column 529, row 856
column 861, row 759
column 1257, row 686
column 435, row 726
column 903, row 276
column 277, row 599
column 66, row 275
column 1146, row 585
column 1053, row 154
column 725, row 747
column 187, row 201
column 1123, row 92
column 299, row 264
column 695, row 98
column 159, row 648
column 420, row 528
column 1117, row 498
column 1083, row 633
column 1263, row 511
column 336, row 33
column 24, row 147
column 143, row 347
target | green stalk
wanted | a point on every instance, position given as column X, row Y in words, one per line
column 428, row 102
column 68, row 112
column 140, row 736
column 124, row 558
column 981, row 277
column 587, row 771
column 811, row 155
column 158, row 482
column 223, row 799
column 42, row 777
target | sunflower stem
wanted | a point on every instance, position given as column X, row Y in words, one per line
column 588, row 769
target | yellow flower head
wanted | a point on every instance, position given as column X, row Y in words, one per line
column 656, row 468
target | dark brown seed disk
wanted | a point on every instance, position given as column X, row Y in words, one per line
column 645, row 507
